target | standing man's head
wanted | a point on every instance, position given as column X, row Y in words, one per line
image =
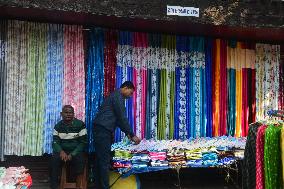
column 67, row 113
column 127, row 88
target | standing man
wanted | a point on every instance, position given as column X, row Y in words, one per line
column 69, row 143
column 111, row 112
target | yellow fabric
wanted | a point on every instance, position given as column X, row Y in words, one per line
column 216, row 103
column 122, row 183
column 238, row 102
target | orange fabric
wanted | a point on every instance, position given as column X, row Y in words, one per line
column 216, row 91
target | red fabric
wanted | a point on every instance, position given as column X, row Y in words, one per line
column 110, row 51
column 223, row 88
column 245, row 108
column 214, row 51
column 260, row 184
column 134, row 99
column 253, row 101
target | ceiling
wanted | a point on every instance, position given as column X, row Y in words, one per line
column 274, row 35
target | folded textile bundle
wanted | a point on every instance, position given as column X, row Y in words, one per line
column 122, row 155
column 193, row 154
column 14, row 177
column 158, row 156
column 210, row 159
column 199, row 152
column 121, row 164
column 176, row 157
column 239, row 153
column 140, row 160
column 158, row 163
column 194, row 163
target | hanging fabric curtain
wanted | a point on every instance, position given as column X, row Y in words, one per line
column 208, row 85
column 74, row 71
column 94, row 81
column 140, row 58
column 26, row 64
column 248, row 87
column 3, row 89
column 196, row 91
column 35, row 93
column 231, row 75
column 181, row 104
column 124, row 72
column 54, row 82
column 267, row 78
column 17, row 57
column 166, row 101
column 110, row 61
column 216, row 87
column 153, row 85
column 223, row 88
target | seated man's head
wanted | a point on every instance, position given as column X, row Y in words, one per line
column 67, row 113
column 127, row 88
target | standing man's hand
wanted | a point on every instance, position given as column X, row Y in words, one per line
column 63, row 156
column 136, row 139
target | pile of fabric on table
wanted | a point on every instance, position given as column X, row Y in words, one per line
column 15, row 178
column 200, row 152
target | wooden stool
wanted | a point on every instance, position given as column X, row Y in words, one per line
column 81, row 180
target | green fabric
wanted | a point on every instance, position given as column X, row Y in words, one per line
column 36, row 69
column 272, row 158
column 231, row 114
column 172, row 105
column 75, row 143
column 162, row 105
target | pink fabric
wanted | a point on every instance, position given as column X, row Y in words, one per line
column 140, row 43
column 134, row 99
column 223, row 88
column 245, row 107
column 74, row 72
column 144, row 96
column 260, row 184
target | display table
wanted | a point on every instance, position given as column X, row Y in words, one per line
column 154, row 155
column 15, row 178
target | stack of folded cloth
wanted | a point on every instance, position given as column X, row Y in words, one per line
column 14, row 177
column 176, row 158
column 239, row 153
column 158, row 159
column 140, row 160
column 121, row 164
column 227, row 161
column 194, row 158
column 122, row 159
column 209, row 159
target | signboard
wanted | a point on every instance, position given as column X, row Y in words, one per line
column 182, row 11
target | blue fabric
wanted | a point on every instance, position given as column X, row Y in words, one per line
column 94, row 81
column 208, row 77
column 177, row 105
column 129, row 102
column 231, row 113
column 203, row 111
column 54, row 83
column 148, row 105
column 119, row 74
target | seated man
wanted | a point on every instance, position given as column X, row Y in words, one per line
column 69, row 142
